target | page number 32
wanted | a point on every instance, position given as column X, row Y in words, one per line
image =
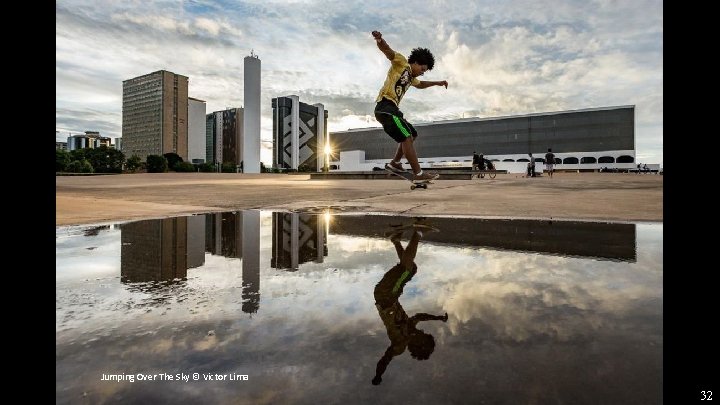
column 706, row 395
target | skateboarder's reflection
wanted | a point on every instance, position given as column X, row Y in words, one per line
column 401, row 329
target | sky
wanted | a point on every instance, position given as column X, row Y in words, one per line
column 499, row 58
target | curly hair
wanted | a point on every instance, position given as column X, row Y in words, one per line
column 421, row 345
column 422, row 56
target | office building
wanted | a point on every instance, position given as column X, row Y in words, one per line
column 224, row 136
column 155, row 115
column 196, row 130
column 299, row 134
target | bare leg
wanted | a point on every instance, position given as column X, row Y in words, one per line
column 409, row 151
column 398, row 153
column 398, row 248
column 408, row 256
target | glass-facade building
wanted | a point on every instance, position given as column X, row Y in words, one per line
column 598, row 135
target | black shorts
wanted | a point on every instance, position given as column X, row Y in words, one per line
column 391, row 118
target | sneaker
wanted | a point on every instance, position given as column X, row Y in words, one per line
column 394, row 236
column 425, row 176
column 395, row 167
column 425, row 228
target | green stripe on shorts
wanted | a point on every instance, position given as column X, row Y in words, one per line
column 400, row 125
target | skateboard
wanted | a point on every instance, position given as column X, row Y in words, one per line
column 409, row 177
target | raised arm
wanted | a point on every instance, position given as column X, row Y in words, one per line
column 383, row 46
column 425, row 84
column 427, row 317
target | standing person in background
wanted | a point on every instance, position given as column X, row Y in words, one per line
column 549, row 162
column 402, row 74
column 476, row 161
column 531, row 166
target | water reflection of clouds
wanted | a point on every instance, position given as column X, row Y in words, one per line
column 97, row 255
column 532, row 295
column 317, row 330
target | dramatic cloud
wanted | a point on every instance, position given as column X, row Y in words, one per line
column 514, row 57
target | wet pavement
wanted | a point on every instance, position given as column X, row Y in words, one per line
column 279, row 307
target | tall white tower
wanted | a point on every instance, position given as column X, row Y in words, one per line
column 251, row 123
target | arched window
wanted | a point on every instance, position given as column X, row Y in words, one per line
column 606, row 159
column 558, row 161
column 588, row 160
column 570, row 161
column 494, row 160
column 625, row 159
column 540, row 160
column 508, row 160
column 523, row 160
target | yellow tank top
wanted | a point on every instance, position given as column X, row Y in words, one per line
column 398, row 80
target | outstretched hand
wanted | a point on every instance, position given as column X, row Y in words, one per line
column 444, row 83
column 377, row 35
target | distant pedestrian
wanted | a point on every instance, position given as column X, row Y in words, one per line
column 549, row 162
column 476, row 161
column 531, row 166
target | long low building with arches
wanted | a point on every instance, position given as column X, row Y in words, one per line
column 587, row 139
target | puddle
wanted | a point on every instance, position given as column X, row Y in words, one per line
column 318, row 308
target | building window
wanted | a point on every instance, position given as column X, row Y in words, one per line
column 509, row 160
column 588, row 160
column 606, row 159
column 625, row 159
column 570, row 161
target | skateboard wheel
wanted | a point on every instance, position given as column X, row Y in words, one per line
column 412, row 187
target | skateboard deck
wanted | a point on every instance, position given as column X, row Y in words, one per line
column 409, row 177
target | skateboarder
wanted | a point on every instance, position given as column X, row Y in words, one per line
column 402, row 74
column 402, row 330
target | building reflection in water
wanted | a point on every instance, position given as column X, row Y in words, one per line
column 154, row 250
column 250, row 261
column 164, row 249
column 297, row 239
column 599, row 240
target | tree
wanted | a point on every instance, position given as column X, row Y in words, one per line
column 73, row 167
column 172, row 159
column 184, row 167
column 157, row 164
column 86, row 167
column 133, row 163
column 102, row 159
column 228, row 167
column 62, row 159
column 207, row 167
